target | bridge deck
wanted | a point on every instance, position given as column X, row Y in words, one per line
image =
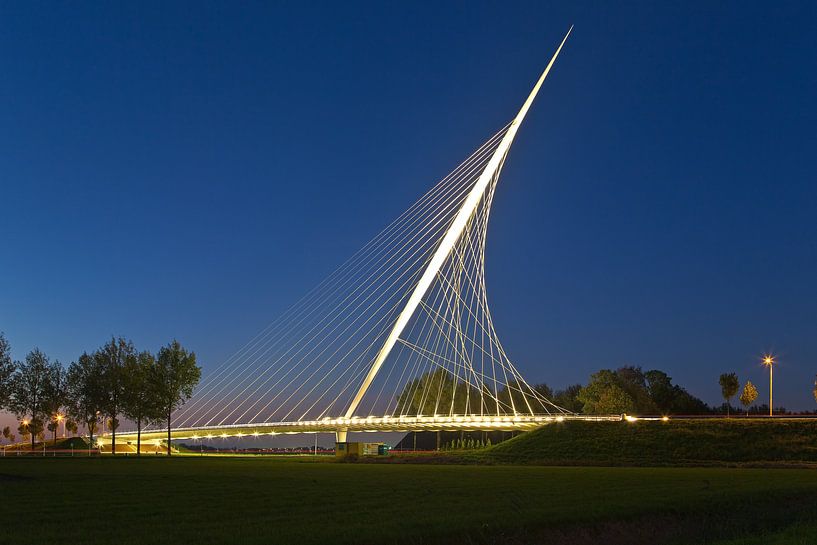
column 368, row 424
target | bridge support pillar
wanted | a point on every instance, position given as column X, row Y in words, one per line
column 340, row 436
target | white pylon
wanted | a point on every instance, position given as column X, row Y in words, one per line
column 449, row 240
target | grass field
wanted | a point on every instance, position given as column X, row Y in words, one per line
column 274, row 500
column 656, row 443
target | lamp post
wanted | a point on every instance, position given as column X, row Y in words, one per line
column 768, row 361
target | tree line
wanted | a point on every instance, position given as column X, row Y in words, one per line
column 631, row 390
column 626, row 390
column 114, row 381
column 730, row 385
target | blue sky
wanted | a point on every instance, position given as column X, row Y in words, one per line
column 190, row 169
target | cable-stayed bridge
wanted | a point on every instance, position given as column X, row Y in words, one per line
column 398, row 338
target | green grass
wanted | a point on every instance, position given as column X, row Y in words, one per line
column 656, row 443
column 269, row 500
column 801, row 533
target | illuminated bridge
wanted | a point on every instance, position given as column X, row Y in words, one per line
column 398, row 338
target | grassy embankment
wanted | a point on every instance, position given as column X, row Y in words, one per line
column 656, row 443
column 274, row 500
column 62, row 443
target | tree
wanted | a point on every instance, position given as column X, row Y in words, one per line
column 22, row 429
column 686, row 403
column 514, row 397
column 729, row 387
column 71, row 426
column 7, row 368
column 54, row 396
column 112, row 358
column 633, row 380
column 85, row 393
column 565, row 399
column 437, row 392
column 568, row 398
column 814, row 391
column 748, row 396
column 614, row 400
column 603, row 395
column 139, row 399
column 6, row 433
column 29, row 388
column 176, row 375
column 670, row 398
column 111, row 424
column 660, row 389
column 52, row 426
column 625, row 390
column 544, row 390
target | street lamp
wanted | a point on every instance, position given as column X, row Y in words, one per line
column 768, row 361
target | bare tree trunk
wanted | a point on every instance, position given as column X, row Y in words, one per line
column 168, row 433
column 113, row 435
column 138, row 436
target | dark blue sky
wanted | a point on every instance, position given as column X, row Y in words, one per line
column 190, row 170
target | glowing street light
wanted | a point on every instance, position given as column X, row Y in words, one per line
column 61, row 418
column 769, row 361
